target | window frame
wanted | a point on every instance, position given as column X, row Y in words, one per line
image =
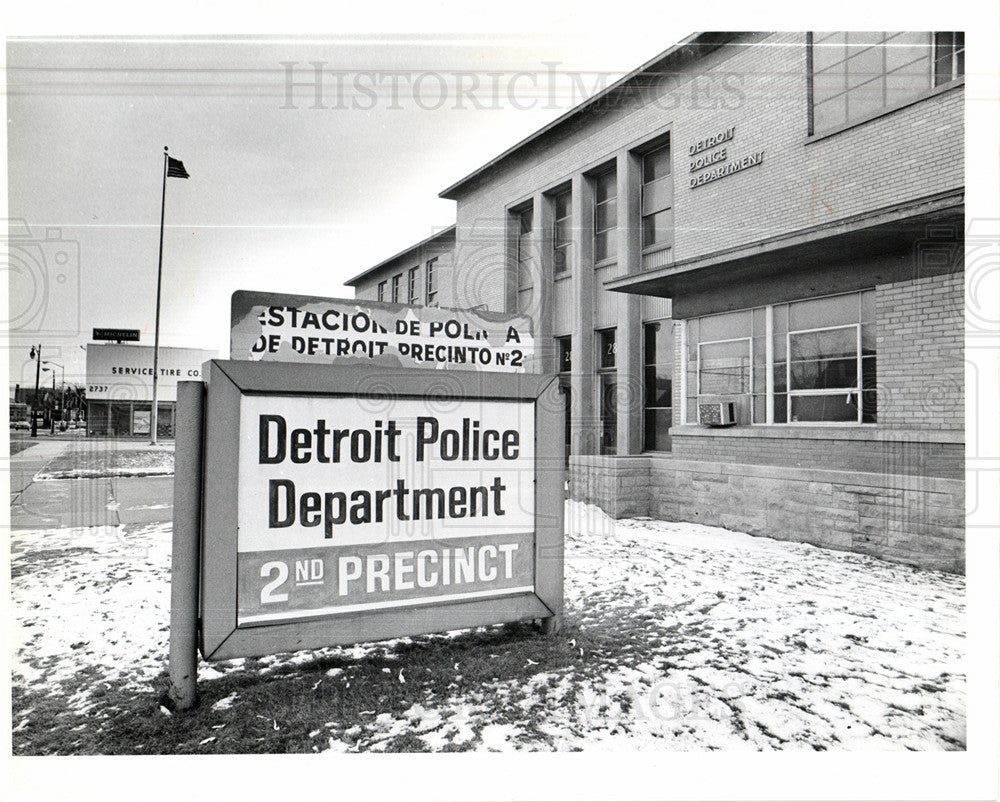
column 380, row 290
column 430, row 290
column 611, row 201
column 561, row 249
column 826, row 391
column 774, row 365
column 933, row 87
column 646, row 364
column 412, row 283
column 749, row 341
column 668, row 243
column 397, row 280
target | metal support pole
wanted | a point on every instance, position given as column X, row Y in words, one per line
column 184, row 572
column 159, row 282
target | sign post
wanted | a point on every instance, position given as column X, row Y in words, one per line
column 182, row 693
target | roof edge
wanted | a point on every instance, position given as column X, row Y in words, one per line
column 448, row 230
column 708, row 38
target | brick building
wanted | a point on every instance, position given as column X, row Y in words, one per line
column 767, row 225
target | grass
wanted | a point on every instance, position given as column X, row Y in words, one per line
column 282, row 706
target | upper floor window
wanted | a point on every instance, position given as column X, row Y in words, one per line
column 657, row 199
column 605, row 216
column 381, row 289
column 525, row 262
column 855, row 75
column 396, row 281
column 412, row 285
column 430, row 281
column 562, row 236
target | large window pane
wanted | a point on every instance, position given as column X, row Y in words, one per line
column 728, row 326
column 657, row 229
column 818, row 313
column 839, row 408
column 724, row 368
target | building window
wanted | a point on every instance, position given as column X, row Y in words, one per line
column 430, row 282
column 381, row 290
column 562, row 235
column 396, row 281
column 412, row 284
column 607, row 389
column 810, row 361
column 605, row 216
column 564, row 355
column 658, row 362
column 855, row 75
column 525, row 258
column 657, row 199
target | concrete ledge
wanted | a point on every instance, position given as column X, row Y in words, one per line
column 794, row 431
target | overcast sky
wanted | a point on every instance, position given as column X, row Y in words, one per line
column 282, row 196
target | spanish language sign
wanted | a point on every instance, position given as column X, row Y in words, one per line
column 347, row 504
column 295, row 328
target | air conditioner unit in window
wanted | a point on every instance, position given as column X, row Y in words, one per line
column 721, row 413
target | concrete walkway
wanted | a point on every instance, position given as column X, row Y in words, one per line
column 104, row 501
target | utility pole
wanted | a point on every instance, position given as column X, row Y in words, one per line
column 37, row 354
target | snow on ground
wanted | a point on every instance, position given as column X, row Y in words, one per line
column 711, row 639
column 85, row 462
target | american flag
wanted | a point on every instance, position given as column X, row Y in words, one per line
column 175, row 168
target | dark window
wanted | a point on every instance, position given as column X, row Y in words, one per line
column 564, row 346
column 657, row 199
column 430, row 281
column 607, row 388
column 565, row 353
column 856, row 74
column 525, row 258
column 658, row 363
column 562, row 234
column 412, row 283
column 381, row 290
column 605, row 216
column 396, row 281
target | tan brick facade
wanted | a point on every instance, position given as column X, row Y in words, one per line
column 849, row 210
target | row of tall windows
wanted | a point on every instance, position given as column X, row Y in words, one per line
column 392, row 289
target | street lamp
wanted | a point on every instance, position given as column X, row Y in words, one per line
column 52, row 416
column 36, row 354
column 62, row 386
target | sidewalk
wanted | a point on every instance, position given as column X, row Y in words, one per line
column 82, row 502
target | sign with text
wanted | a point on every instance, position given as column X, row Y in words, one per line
column 345, row 508
column 331, row 514
column 272, row 327
column 125, row 372
column 121, row 335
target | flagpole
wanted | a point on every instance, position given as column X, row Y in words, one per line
column 159, row 281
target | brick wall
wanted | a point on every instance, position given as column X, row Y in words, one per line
column 921, row 371
column 758, row 85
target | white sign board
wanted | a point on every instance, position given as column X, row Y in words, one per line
column 348, row 504
column 125, row 372
column 272, row 327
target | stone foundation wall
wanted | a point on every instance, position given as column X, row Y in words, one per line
column 915, row 520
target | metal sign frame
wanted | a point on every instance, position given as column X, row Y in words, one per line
column 217, row 457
